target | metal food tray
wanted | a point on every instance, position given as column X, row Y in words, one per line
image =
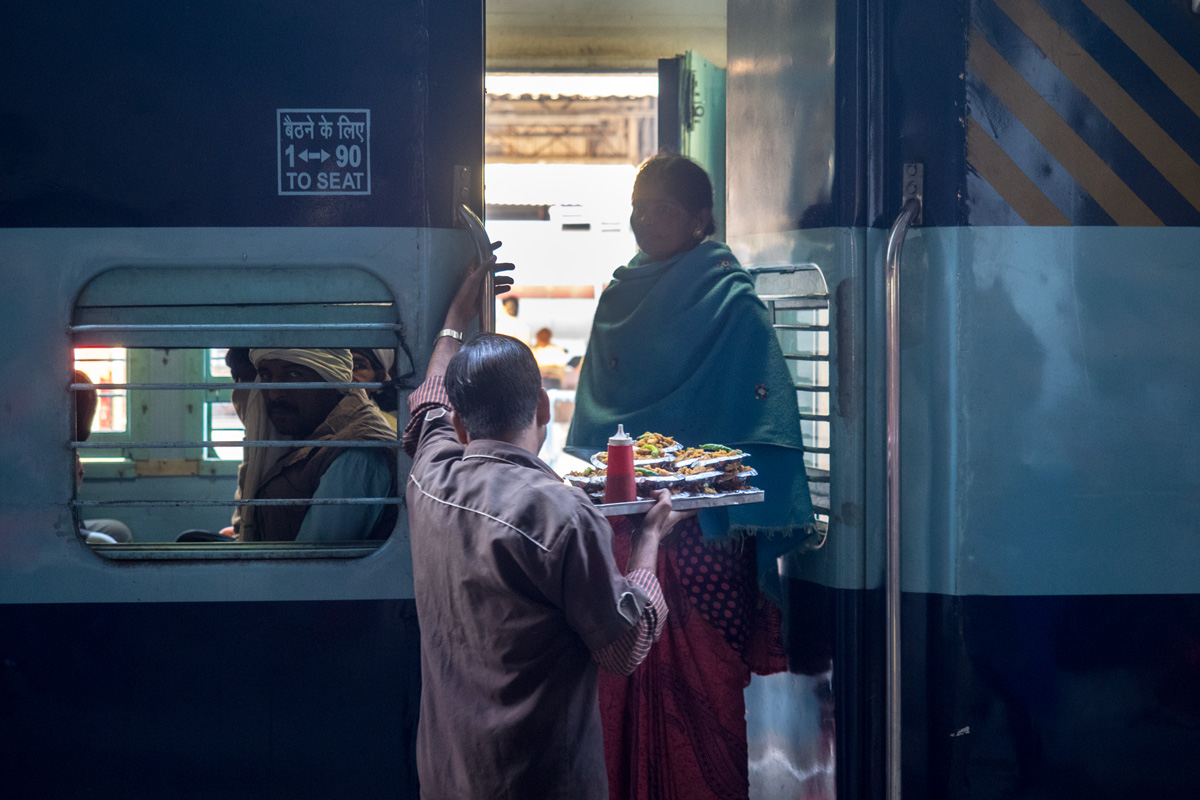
column 682, row 503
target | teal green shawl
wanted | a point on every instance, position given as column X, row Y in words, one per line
column 685, row 348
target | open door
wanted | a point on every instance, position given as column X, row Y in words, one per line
column 691, row 119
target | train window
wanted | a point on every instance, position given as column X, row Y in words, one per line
column 176, row 459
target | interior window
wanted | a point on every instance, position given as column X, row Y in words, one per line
column 221, row 421
column 106, row 366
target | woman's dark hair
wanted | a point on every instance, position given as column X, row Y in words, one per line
column 240, row 366
column 386, row 397
column 493, row 384
column 683, row 179
column 85, row 407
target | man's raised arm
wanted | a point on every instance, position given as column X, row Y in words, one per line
column 464, row 308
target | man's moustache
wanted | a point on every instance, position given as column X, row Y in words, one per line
column 273, row 408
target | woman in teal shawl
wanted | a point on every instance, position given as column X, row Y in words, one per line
column 682, row 346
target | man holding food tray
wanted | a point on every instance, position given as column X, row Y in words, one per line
column 518, row 595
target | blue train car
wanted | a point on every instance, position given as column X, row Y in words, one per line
column 1043, row 635
column 179, row 178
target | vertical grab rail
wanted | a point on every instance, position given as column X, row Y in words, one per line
column 909, row 212
column 483, row 251
column 465, row 217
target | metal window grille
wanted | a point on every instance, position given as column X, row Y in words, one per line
column 96, row 507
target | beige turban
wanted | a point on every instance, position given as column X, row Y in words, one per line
column 334, row 365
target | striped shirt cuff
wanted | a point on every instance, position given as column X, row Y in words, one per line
column 429, row 395
column 631, row 649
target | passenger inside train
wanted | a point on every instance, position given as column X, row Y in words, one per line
column 314, row 472
column 242, row 370
column 93, row 531
column 377, row 365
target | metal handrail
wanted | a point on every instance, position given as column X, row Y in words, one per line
column 787, row 269
column 483, row 251
column 289, row 501
column 235, row 326
column 234, row 385
column 766, row 298
column 794, row 326
column 336, row 443
column 908, row 213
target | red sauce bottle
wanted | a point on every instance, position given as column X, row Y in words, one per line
column 619, row 487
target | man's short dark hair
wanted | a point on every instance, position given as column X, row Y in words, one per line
column 494, row 384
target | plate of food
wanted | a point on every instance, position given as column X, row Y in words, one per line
column 666, row 444
column 708, row 455
column 642, row 457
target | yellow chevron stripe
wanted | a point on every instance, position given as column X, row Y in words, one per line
column 1108, row 96
column 1170, row 67
column 1088, row 169
column 1022, row 194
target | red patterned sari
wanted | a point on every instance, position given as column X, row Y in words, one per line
column 676, row 728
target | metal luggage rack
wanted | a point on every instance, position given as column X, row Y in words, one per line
column 797, row 298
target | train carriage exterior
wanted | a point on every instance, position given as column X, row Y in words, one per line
column 1048, row 483
column 148, row 182
column 1044, row 484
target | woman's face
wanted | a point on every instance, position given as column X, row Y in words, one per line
column 662, row 226
column 364, row 371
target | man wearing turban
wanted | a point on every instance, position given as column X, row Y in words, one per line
column 318, row 472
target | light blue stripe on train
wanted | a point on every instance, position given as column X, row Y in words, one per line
column 41, row 557
column 1050, row 408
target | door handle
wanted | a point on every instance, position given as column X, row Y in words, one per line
column 910, row 212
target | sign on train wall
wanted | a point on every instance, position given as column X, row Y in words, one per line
column 324, row 150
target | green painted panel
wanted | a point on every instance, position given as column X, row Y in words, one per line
column 703, row 125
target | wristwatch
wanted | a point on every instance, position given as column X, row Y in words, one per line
column 453, row 334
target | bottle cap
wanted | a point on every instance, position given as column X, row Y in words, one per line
column 620, row 437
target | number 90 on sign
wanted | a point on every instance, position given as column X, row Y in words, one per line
column 348, row 156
